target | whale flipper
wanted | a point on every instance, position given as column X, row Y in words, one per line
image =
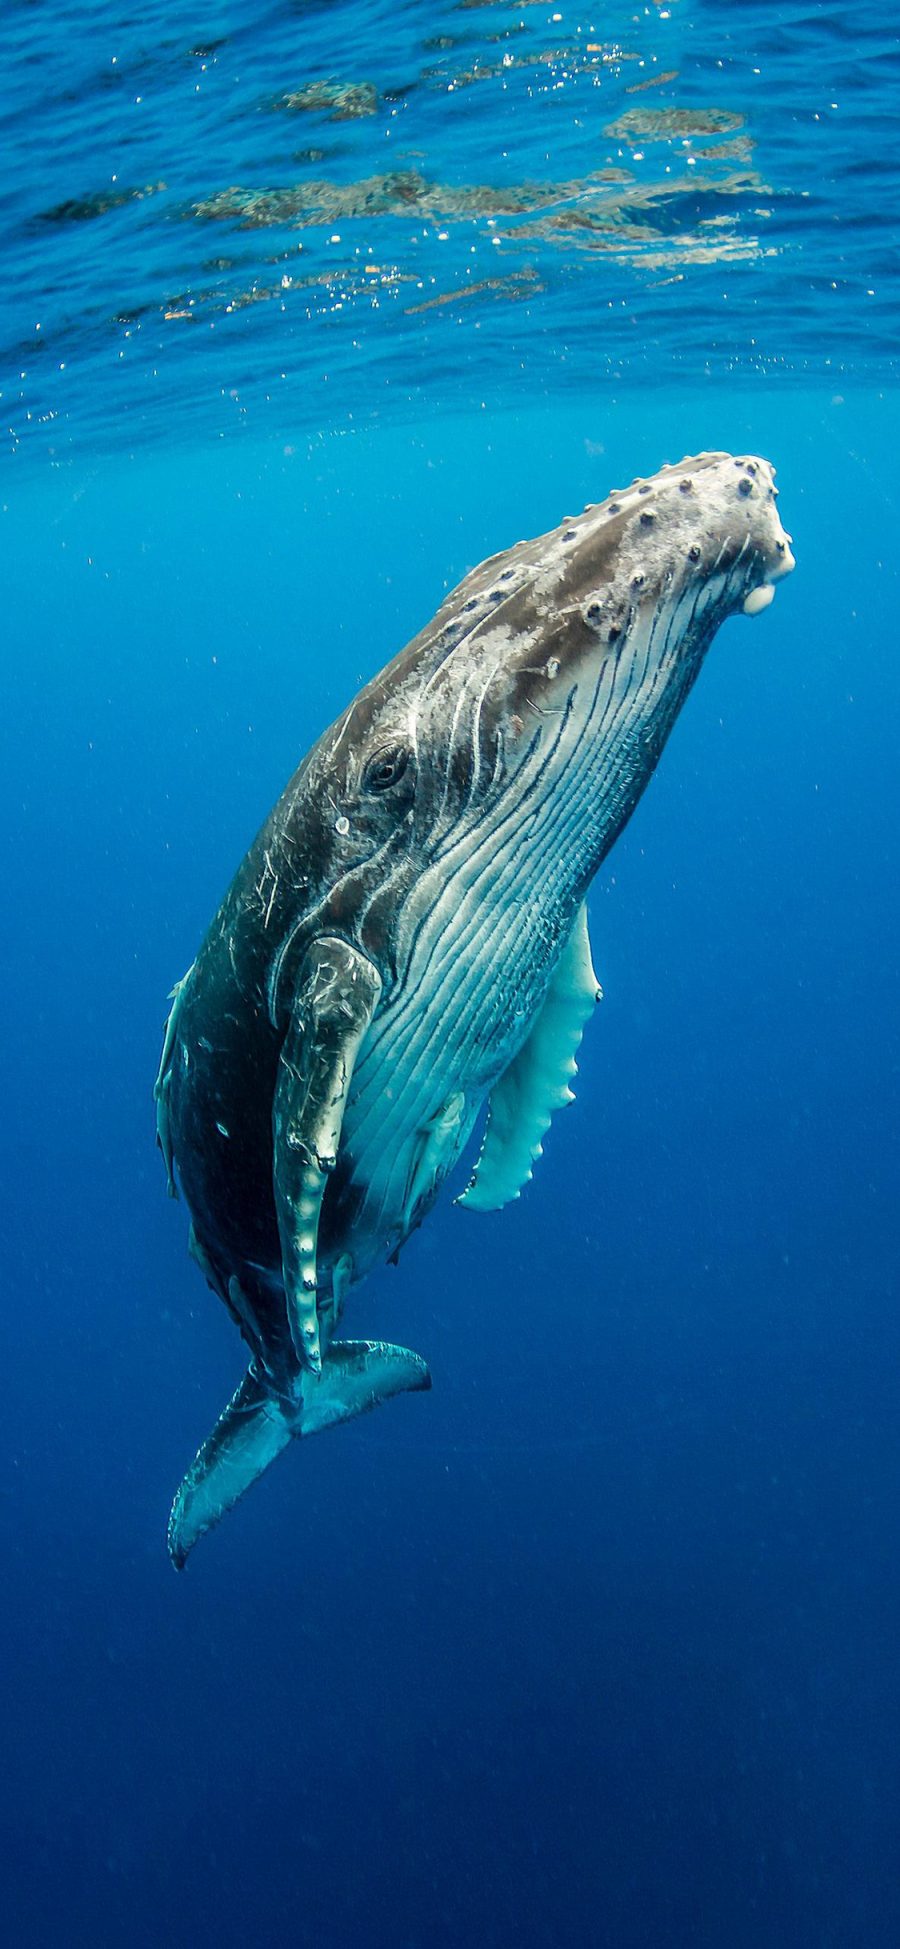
column 257, row 1426
column 537, row 1082
column 336, row 997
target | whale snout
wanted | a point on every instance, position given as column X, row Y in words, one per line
column 767, row 545
column 721, row 509
column 709, row 521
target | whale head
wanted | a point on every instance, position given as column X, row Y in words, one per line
column 509, row 742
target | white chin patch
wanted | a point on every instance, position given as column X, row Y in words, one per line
column 758, row 599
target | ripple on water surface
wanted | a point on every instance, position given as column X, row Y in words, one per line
column 336, row 210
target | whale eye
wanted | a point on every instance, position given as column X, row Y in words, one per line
column 386, row 768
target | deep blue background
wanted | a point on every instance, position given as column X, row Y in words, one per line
column 594, row 1648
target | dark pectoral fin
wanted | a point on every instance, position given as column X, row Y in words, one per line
column 337, row 994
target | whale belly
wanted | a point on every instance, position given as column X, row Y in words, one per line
column 431, row 1058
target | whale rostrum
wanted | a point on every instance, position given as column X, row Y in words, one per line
column 405, row 945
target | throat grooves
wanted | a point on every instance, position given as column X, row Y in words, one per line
column 503, row 893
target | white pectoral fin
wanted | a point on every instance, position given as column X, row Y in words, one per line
column 336, row 997
column 439, row 1142
column 538, row 1081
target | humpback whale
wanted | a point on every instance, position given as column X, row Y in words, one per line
column 406, row 941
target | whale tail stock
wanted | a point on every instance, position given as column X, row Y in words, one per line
column 257, row 1426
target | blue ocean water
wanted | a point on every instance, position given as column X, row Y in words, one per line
column 307, row 308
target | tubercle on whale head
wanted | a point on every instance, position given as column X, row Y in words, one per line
column 710, row 519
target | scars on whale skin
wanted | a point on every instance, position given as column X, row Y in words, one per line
column 404, row 950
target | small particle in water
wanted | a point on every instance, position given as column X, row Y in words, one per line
column 222, row 1130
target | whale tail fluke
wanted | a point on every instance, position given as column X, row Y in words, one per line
column 258, row 1425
